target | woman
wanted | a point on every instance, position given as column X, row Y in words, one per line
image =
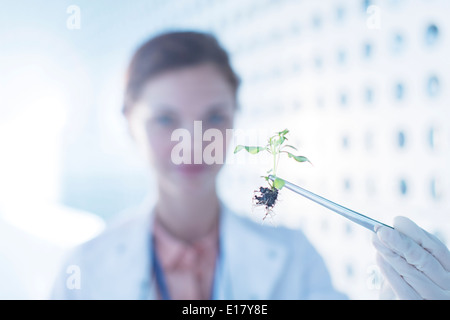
column 189, row 245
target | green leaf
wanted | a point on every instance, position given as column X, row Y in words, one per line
column 238, row 148
column 298, row 158
column 284, row 132
column 278, row 183
column 289, row 146
column 252, row 150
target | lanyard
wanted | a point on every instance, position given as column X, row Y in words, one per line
column 161, row 281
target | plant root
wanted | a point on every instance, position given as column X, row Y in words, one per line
column 266, row 197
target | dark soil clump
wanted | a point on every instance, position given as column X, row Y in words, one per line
column 266, row 197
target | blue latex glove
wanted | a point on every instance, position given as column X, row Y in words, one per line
column 415, row 263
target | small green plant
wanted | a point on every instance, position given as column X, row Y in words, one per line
column 267, row 197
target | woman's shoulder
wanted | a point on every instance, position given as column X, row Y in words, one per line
column 120, row 240
column 119, row 252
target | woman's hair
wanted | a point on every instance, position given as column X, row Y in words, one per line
column 174, row 50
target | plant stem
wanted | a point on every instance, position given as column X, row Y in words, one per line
column 274, row 164
column 278, row 159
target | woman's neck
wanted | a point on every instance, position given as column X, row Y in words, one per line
column 188, row 217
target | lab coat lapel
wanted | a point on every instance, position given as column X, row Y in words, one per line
column 249, row 266
column 251, row 263
column 134, row 264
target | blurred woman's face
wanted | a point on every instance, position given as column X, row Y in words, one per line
column 193, row 99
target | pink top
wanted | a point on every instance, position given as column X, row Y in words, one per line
column 188, row 267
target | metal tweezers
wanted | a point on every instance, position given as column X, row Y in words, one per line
column 354, row 216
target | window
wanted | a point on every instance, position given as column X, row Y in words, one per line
column 345, row 142
column 347, row 184
column 340, row 13
column 367, row 50
column 433, row 86
column 398, row 42
column 431, row 34
column 316, row 21
column 403, row 187
column 399, row 91
column 318, row 62
column 341, row 56
column 343, row 99
column 401, row 139
column 435, row 138
column 435, row 188
column 366, row 4
column 368, row 95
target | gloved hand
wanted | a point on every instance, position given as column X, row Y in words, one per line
column 415, row 263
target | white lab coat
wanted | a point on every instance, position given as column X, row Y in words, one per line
column 256, row 262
